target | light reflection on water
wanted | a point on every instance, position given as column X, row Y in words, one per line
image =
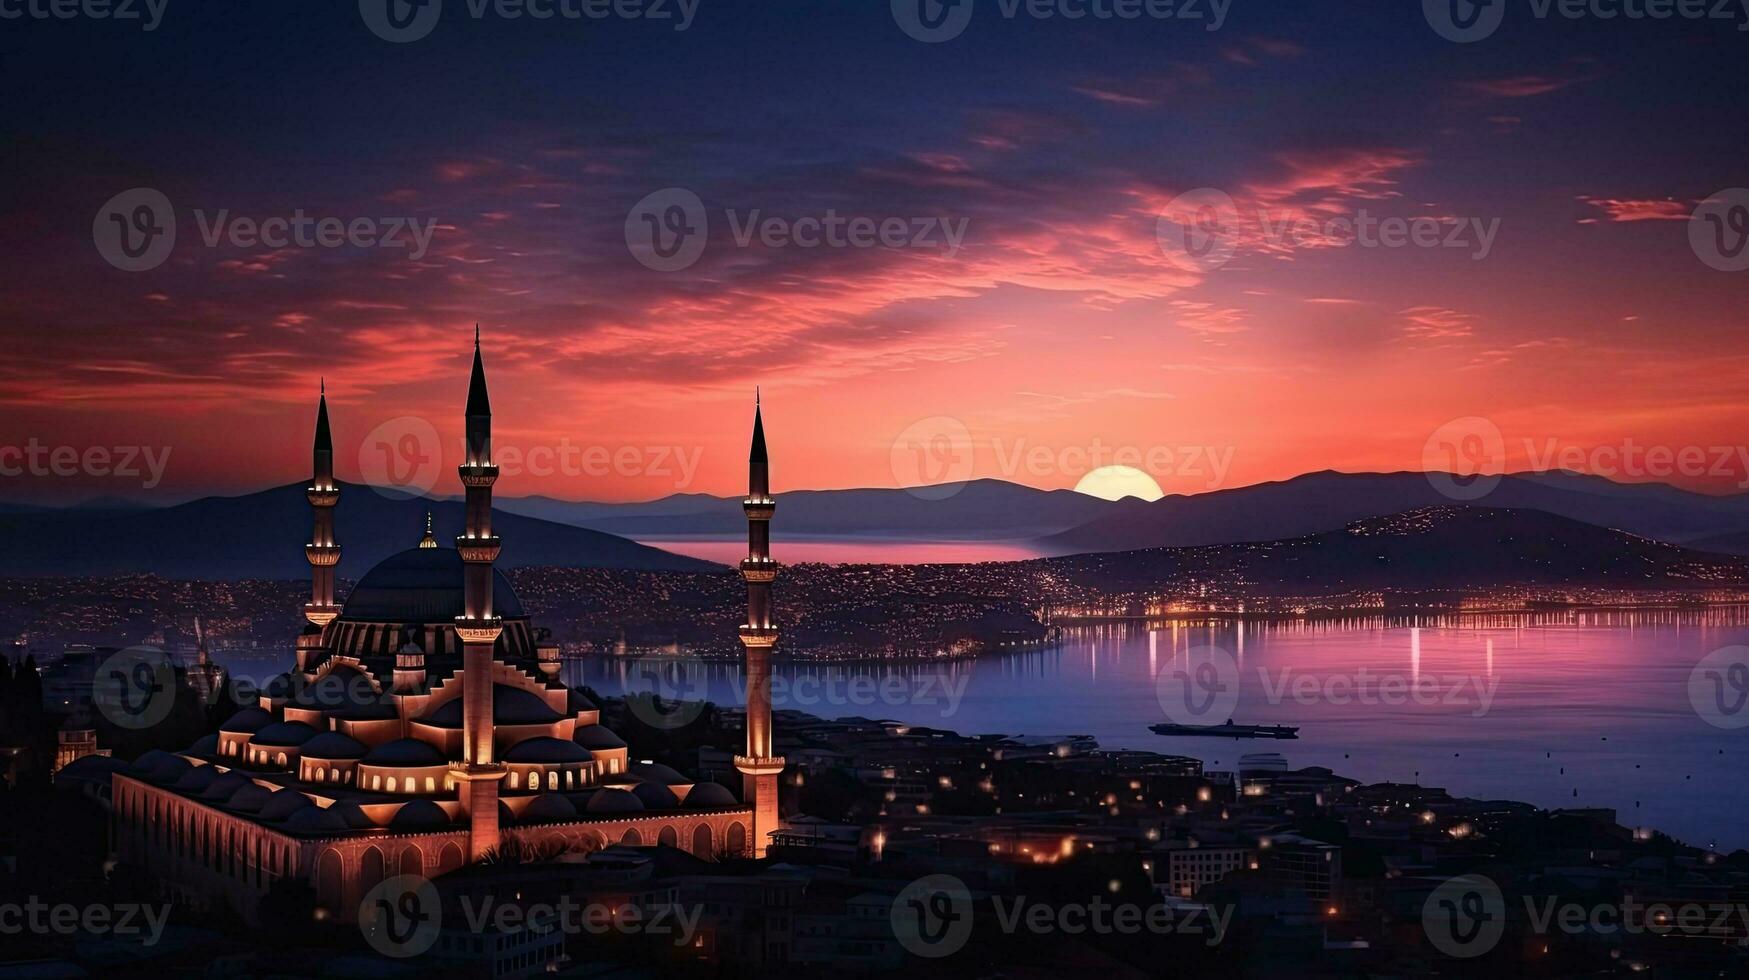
column 1559, row 709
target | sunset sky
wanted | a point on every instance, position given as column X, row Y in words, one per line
column 1058, row 325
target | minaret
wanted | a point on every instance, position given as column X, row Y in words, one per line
column 322, row 552
column 760, row 766
column 478, row 628
column 429, row 540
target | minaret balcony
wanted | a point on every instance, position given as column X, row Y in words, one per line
column 478, row 550
column 478, row 629
column 754, row 765
column 478, row 474
column 762, row 637
column 759, row 508
column 477, row 772
column 320, row 615
column 759, row 569
column 322, row 555
column 323, row 496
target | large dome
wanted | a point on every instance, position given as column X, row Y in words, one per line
column 421, row 585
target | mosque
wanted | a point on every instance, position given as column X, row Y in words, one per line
column 424, row 727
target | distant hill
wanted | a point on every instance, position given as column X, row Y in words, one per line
column 1329, row 500
column 1724, row 544
column 1427, row 549
column 977, row 509
column 261, row 535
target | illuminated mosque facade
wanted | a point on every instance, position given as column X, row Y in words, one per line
column 425, row 727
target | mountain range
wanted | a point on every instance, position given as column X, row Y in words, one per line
column 1433, row 548
column 1064, row 522
column 248, row 536
column 260, row 535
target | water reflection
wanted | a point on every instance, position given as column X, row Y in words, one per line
column 1558, row 708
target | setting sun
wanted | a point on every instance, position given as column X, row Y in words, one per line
column 1118, row 482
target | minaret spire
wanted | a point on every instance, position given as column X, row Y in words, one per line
column 760, row 766
column 477, row 626
column 322, row 552
column 429, row 540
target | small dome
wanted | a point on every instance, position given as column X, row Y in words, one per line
column 313, row 820
column 341, row 688
column 578, row 701
column 149, row 761
column 281, row 686
column 205, row 745
column 250, row 799
column 283, row 734
column 223, row 785
column 196, row 779
column 510, row 706
column 170, row 770
column 334, row 746
column 614, row 801
column 283, row 804
column 597, row 737
column 706, row 795
column 353, row 815
column 418, row 816
column 549, row 808
column 97, row 768
column 656, row 772
column 655, row 796
column 546, row 750
column 404, row 752
column 246, row 721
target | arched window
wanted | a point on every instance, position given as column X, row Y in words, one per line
column 513, row 780
column 570, row 779
column 430, row 785
column 376, row 782
column 391, row 784
column 552, row 780
column 282, row 760
column 321, row 776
